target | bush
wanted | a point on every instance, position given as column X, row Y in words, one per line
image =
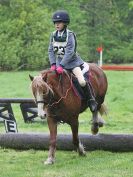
column 120, row 55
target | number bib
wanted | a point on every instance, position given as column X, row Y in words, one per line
column 59, row 47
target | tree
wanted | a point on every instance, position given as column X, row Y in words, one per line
column 25, row 27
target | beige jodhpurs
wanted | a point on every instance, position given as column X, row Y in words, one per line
column 79, row 75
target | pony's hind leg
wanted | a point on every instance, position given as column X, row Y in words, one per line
column 97, row 122
column 101, row 121
column 77, row 144
column 94, row 126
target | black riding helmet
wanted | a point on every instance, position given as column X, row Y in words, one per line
column 61, row 16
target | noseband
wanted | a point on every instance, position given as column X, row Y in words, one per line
column 39, row 101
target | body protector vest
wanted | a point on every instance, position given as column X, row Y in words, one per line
column 60, row 40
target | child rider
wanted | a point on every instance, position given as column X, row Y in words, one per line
column 63, row 55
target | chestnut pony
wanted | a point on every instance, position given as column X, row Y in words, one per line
column 55, row 97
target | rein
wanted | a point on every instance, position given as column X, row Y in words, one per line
column 65, row 96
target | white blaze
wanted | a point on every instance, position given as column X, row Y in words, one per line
column 39, row 97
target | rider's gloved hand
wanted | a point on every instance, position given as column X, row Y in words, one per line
column 59, row 69
column 53, row 67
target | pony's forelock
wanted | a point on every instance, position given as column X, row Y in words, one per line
column 38, row 84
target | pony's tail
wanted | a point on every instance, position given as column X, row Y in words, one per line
column 103, row 110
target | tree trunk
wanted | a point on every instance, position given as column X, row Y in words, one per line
column 109, row 142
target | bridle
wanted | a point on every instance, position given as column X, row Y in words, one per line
column 51, row 95
column 48, row 94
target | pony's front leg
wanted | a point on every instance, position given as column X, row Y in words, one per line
column 79, row 147
column 52, row 124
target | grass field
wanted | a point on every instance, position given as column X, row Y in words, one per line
column 68, row 164
column 119, row 100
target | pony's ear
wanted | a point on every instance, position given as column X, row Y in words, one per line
column 31, row 77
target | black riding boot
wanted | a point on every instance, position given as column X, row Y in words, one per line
column 91, row 100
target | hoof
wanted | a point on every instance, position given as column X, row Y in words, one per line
column 49, row 161
column 83, row 154
column 95, row 128
column 101, row 124
column 81, row 150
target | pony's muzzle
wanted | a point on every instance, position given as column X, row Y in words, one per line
column 42, row 114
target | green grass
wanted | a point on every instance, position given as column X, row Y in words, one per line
column 119, row 100
column 68, row 164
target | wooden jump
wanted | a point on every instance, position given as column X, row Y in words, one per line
column 17, row 100
column 108, row 142
column 27, row 105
